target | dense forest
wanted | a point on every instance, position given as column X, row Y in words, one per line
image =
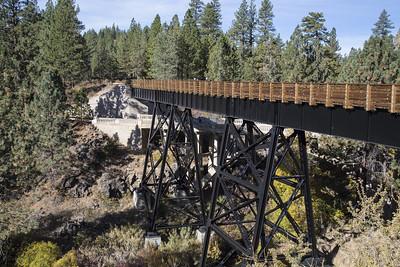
column 45, row 53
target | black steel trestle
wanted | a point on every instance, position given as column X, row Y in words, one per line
column 259, row 177
column 171, row 183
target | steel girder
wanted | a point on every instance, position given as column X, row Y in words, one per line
column 171, row 182
column 258, row 178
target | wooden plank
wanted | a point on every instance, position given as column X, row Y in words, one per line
column 271, row 92
column 328, row 101
column 393, row 102
column 260, row 92
column 312, row 102
column 347, row 102
column 368, row 102
column 283, row 96
column 297, row 94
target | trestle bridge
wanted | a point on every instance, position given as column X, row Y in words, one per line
column 230, row 184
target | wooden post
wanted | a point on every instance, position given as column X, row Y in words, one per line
column 296, row 94
column 368, row 103
column 328, row 100
column 271, row 95
column 283, row 93
column 312, row 97
column 260, row 92
column 393, row 102
column 347, row 102
column 250, row 86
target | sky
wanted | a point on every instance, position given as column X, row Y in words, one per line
column 353, row 19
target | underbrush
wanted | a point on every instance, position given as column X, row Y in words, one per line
column 367, row 240
column 124, row 246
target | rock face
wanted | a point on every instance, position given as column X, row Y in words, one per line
column 117, row 103
column 112, row 187
column 98, row 163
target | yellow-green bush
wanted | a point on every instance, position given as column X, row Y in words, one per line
column 322, row 211
column 68, row 260
column 39, row 254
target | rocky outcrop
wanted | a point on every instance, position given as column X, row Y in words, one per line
column 98, row 163
column 117, row 103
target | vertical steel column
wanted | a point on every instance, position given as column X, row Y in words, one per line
column 194, row 142
column 151, row 132
column 263, row 189
column 307, row 194
column 214, row 195
column 250, row 171
column 163, row 162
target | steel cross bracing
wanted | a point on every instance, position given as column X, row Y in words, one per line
column 259, row 176
column 248, row 204
column 171, row 184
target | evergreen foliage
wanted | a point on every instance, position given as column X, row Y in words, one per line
column 154, row 30
column 383, row 26
column 240, row 32
column 265, row 21
column 165, row 57
column 378, row 60
column 223, row 61
column 49, row 126
column 62, row 47
column 196, row 7
column 268, row 54
column 191, row 50
column 211, row 21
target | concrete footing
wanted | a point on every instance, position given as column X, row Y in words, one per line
column 152, row 240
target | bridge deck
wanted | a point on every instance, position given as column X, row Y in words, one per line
column 363, row 112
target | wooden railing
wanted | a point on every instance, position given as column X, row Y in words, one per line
column 367, row 96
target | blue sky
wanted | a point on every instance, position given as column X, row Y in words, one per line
column 353, row 19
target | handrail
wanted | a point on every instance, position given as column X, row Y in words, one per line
column 367, row 96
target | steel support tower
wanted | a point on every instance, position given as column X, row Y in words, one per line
column 170, row 187
column 259, row 177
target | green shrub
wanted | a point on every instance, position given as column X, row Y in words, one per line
column 68, row 260
column 39, row 254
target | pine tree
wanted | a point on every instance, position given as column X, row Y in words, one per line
column 379, row 60
column 268, row 54
column 268, row 60
column 265, row 21
column 18, row 49
column 331, row 61
column 383, row 26
column 397, row 40
column 252, row 25
column 137, row 45
column 211, row 21
column 49, row 122
column 239, row 32
column 62, row 48
column 154, row 30
column 191, row 50
column 196, row 7
column 18, row 40
column 294, row 59
column 165, row 57
column 223, row 61
column 350, row 68
column 104, row 64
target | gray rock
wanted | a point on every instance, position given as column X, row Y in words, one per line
column 112, row 187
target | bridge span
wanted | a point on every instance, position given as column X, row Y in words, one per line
column 369, row 113
column 240, row 198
